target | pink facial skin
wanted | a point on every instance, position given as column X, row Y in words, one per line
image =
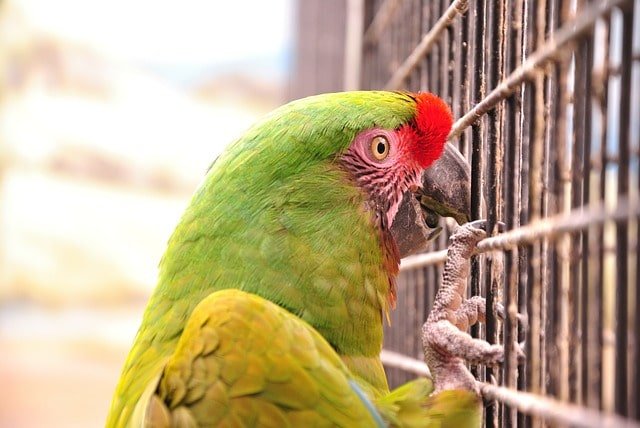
column 414, row 146
column 384, row 180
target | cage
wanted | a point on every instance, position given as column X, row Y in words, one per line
column 547, row 96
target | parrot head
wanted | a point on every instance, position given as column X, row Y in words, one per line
column 412, row 175
column 313, row 208
column 445, row 192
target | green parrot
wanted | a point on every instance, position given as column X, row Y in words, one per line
column 275, row 284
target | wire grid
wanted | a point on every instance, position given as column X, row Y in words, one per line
column 548, row 96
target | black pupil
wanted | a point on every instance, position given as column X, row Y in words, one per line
column 381, row 147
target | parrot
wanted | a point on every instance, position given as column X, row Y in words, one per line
column 275, row 284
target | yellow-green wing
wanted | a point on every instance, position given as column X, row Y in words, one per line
column 413, row 405
column 454, row 409
column 244, row 361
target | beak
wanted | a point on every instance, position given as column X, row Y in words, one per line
column 445, row 192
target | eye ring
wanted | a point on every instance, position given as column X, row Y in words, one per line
column 380, row 147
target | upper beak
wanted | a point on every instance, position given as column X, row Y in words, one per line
column 445, row 192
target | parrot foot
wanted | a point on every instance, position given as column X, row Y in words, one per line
column 447, row 346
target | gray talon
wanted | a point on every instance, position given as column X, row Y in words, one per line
column 482, row 224
column 447, row 345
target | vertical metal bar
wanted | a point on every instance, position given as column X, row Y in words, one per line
column 521, row 196
column 564, row 243
column 549, row 256
column 479, row 89
column 434, row 63
column 512, row 155
column 445, row 51
column 580, row 72
column 353, row 44
column 455, row 71
column 416, row 25
column 587, row 297
column 622, row 237
column 425, row 80
column 465, row 86
column 495, row 73
column 535, row 111
column 635, row 381
column 601, row 88
column 366, row 67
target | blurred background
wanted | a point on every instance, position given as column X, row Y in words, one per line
column 110, row 114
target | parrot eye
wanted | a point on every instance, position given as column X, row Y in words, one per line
column 380, row 147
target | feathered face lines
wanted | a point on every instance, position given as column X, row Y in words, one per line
column 387, row 163
column 382, row 164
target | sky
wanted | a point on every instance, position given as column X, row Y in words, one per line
column 179, row 39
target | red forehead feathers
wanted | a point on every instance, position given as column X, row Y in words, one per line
column 427, row 135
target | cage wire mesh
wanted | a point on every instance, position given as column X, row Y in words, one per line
column 547, row 96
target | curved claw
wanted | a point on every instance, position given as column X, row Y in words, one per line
column 483, row 225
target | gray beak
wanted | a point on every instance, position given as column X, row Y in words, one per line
column 446, row 192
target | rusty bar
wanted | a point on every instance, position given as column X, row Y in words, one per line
column 622, row 237
column 542, row 263
column 443, row 51
column 576, row 334
column 522, row 215
column 415, row 19
column 586, row 316
column 551, row 410
column 600, row 87
column 548, row 22
column 434, row 58
column 511, row 37
column 494, row 50
column 554, row 411
column 468, row 22
column 635, row 380
column 562, row 189
column 477, row 78
column 448, row 49
column 401, row 73
column 396, row 360
column 353, row 45
column 458, row 57
column 549, row 227
column 380, row 21
column 570, row 32
column 535, row 337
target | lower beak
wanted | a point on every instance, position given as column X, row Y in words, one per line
column 445, row 192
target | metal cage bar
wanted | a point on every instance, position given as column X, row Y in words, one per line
column 546, row 101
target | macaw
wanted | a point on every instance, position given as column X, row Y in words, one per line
column 275, row 284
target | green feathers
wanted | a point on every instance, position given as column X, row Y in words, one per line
column 280, row 222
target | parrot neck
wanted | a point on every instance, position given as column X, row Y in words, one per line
column 311, row 248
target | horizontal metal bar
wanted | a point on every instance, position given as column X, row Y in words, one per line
column 573, row 221
column 532, row 404
column 421, row 260
column 553, row 410
column 380, row 21
column 569, row 32
column 401, row 361
column 456, row 8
